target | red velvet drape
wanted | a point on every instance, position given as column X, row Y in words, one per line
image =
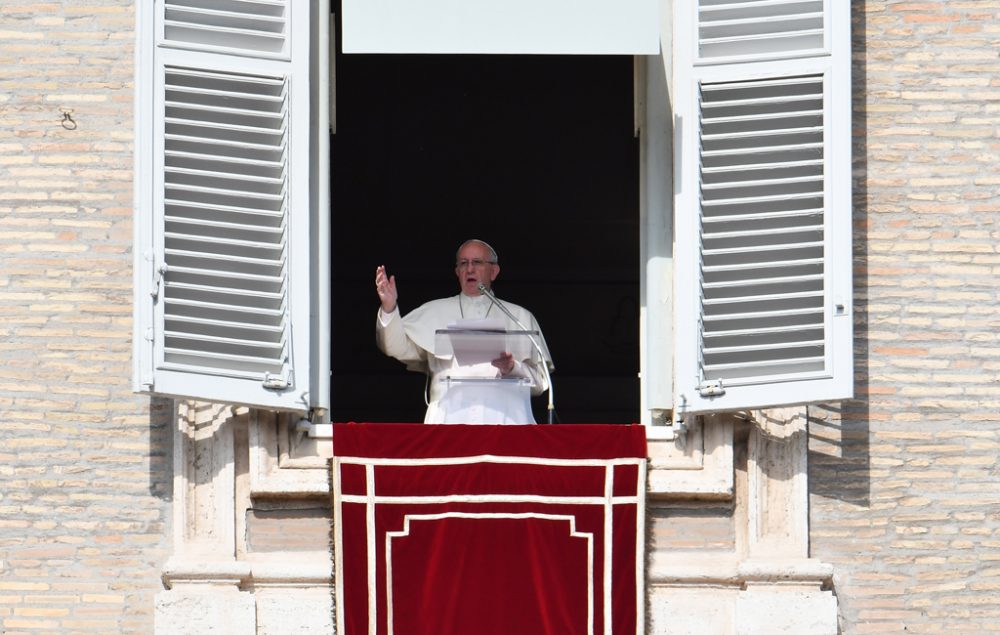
column 488, row 529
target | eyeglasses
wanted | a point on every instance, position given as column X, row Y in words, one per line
column 476, row 262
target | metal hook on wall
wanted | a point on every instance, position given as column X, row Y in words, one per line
column 67, row 120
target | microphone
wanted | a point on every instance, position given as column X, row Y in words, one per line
column 545, row 364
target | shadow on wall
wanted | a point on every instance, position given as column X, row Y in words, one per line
column 839, row 445
column 161, row 439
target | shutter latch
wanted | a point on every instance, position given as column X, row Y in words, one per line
column 155, row 291
column 275, row 382
column 711, row 388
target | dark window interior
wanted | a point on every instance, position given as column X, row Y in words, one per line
column 534, row 154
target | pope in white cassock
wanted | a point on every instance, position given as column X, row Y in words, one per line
column 488, row 392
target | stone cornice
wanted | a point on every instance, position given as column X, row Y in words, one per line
column 727, row 570
column 316, row 571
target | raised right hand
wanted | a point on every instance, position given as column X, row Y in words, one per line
column 385, row 286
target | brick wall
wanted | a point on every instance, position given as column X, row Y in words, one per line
column 906, row 483
column 84, row 486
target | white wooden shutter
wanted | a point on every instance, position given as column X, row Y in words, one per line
column 763, row 273
column 223, row 202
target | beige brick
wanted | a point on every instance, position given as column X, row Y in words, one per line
column 103, row 598
column 23, row 586
column 40, row 612
column 31, row 624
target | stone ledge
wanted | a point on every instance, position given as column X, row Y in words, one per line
column 317, row 571
column 727, row 570
column 205, row 571
column 786, row 570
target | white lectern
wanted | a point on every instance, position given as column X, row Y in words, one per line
column 472, row 391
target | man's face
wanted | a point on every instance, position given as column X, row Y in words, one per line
column 473, row 267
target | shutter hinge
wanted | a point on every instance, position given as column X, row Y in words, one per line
column 711, row 388
column 679, row 422
column 275, row 382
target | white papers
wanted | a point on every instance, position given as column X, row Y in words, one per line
column 473, row 342
column 485, row 324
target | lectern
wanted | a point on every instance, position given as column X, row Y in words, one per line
column 472, row 391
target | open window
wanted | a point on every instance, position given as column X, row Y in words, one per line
column 745, row 263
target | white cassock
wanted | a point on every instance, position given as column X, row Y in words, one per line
column 411, row 340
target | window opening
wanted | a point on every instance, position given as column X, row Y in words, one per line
column 535, row 154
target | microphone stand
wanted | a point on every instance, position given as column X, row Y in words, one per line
column 545, row 364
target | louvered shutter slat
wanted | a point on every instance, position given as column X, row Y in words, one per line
column 734, row 268
column 231, row 291
column 177, row 157
column 196, row 130
column 180, row 256
column 181, row 184
column 754, row 349
column 759, row 332
column 722, row 206
column 261, row 192
column 751, row 183
column 191, row 83
column 248, row 27
column 757, row 283
column 202, row 227
column 780, row 37
column 808, row 315
column 759, row 296
column 231, row 119
column 207, row 170
column 220, row 241
column 203, row 16
column 226, row 312
column 228, row 37
column 765, row 216
column 812, row 163
column 207, row 357
column 779, row 368
column 766, row 250
column 777, row 22
column 728, row 29
column 260, row 303
column 776, row 232
column 178, row 207
column 782, row 116
column 232, row 144
column 228, row 326
column 802, row 148
column 233, row 342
